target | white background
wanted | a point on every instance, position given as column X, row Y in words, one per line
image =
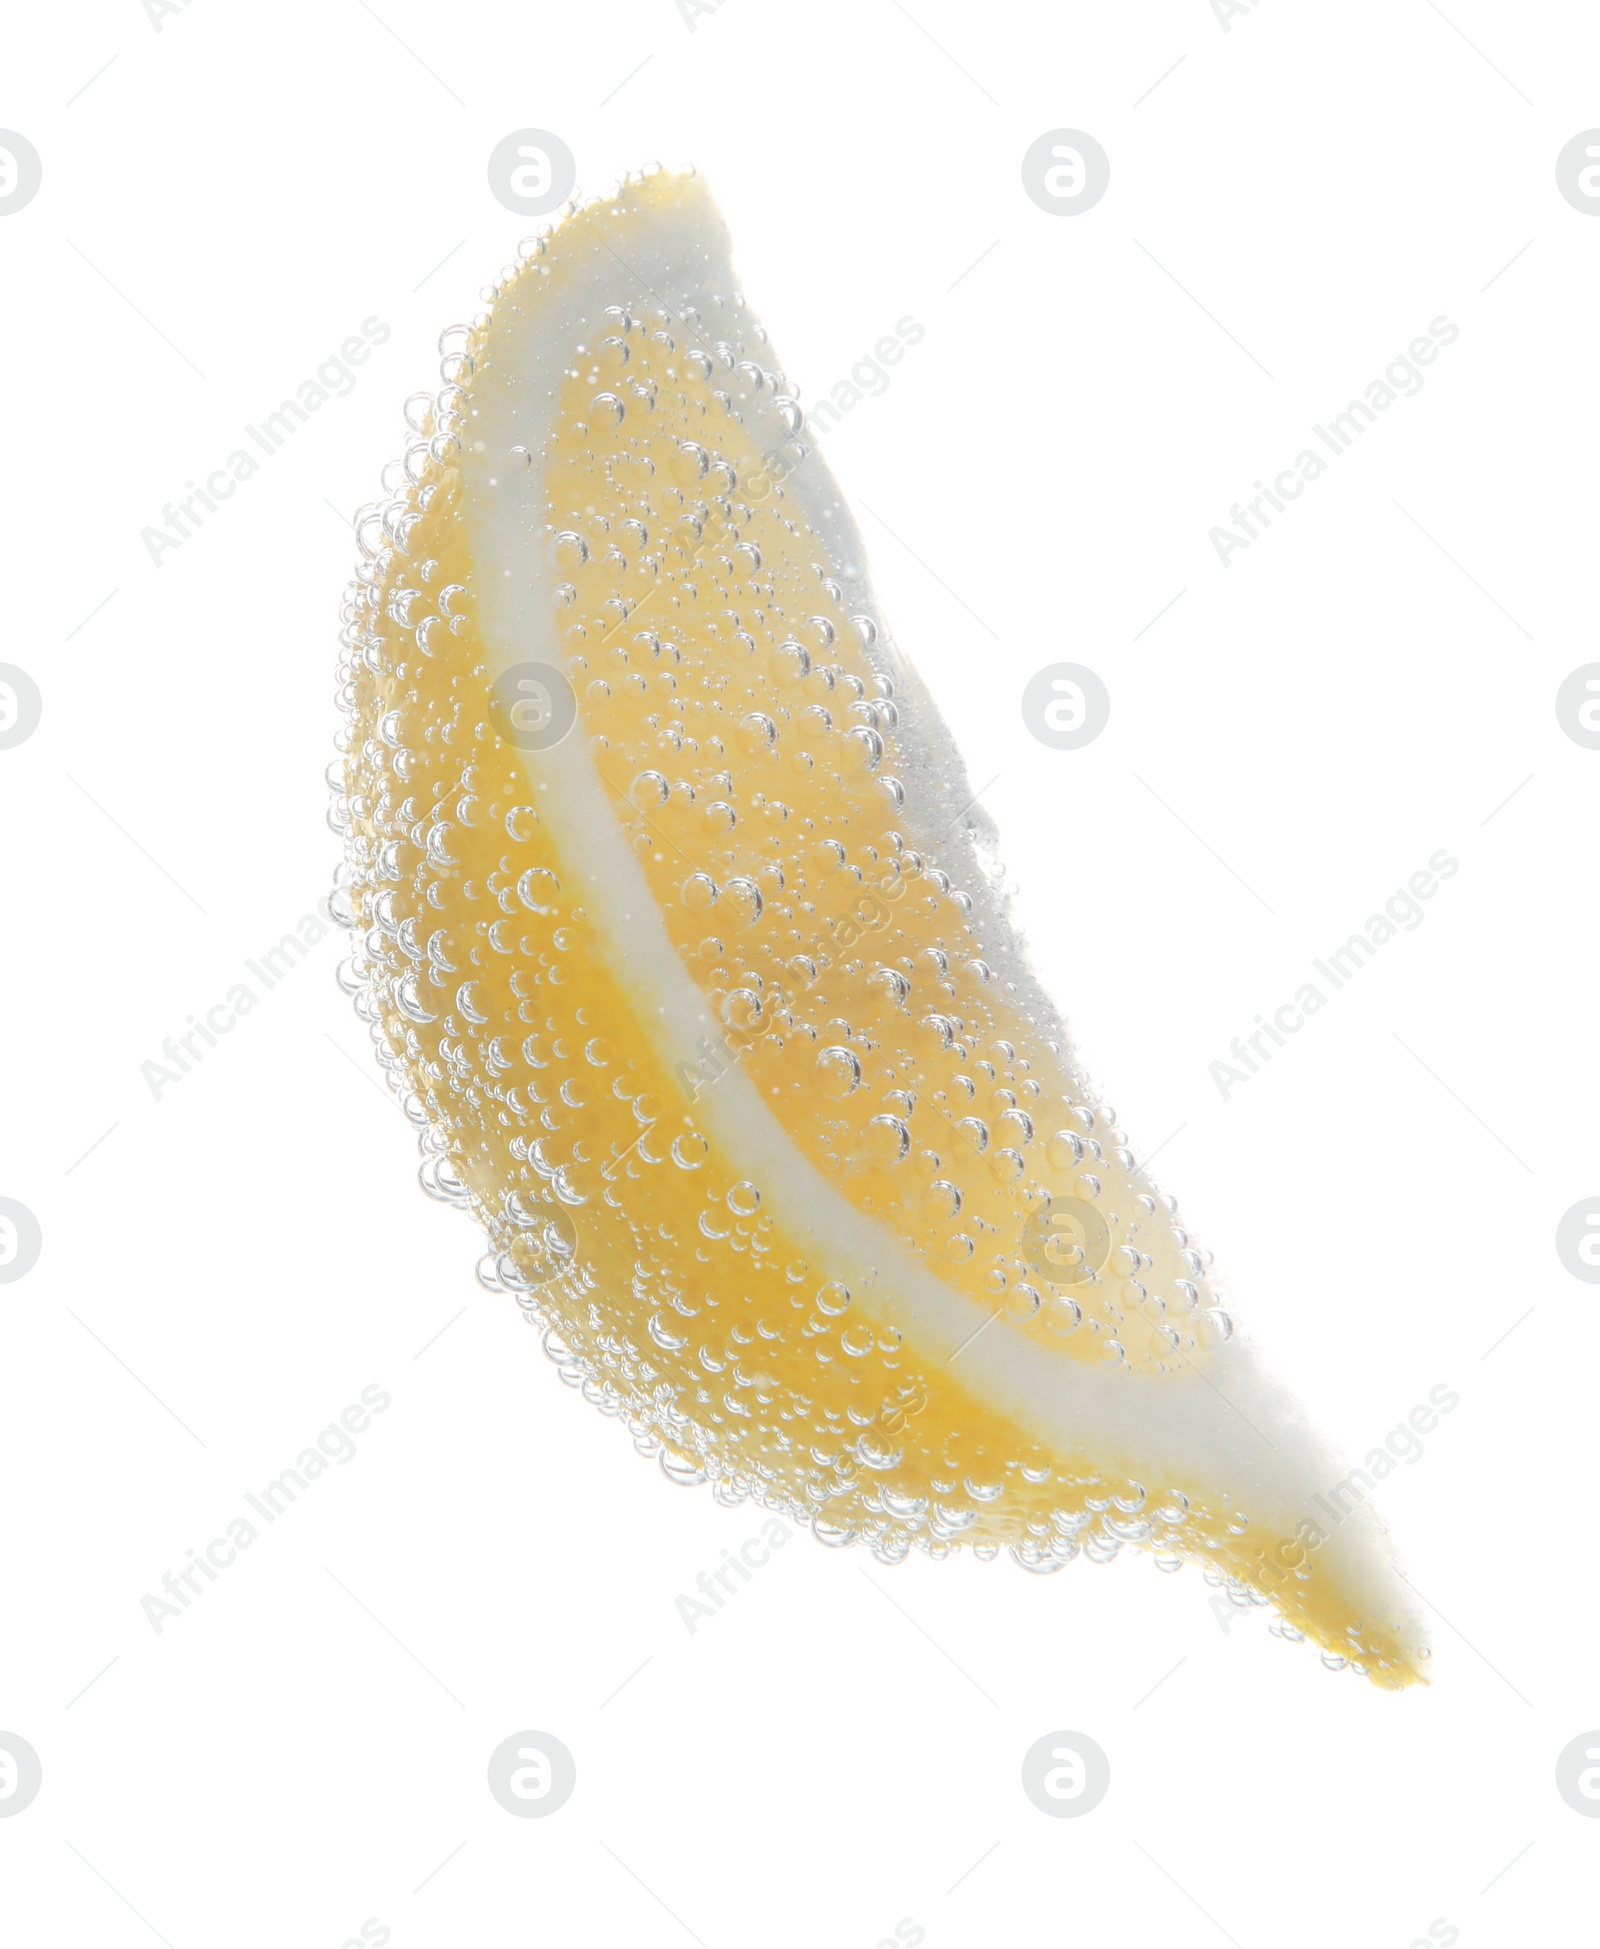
column 228, row 1266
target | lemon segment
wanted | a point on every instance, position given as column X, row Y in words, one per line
column 679, row 936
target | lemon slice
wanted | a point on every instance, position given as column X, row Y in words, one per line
column 678, row 941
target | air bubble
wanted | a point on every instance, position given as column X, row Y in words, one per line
column 743, row 897
column 689, row 463
column 538, row 890
column 790, row 662
column 864, row 748
column 838, row 1072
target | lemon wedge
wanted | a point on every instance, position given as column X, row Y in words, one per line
column 676, row 938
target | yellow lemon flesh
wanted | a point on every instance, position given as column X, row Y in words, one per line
column 676, row 937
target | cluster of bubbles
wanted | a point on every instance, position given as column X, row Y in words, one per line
column 908, row 1056
column 751, row 729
